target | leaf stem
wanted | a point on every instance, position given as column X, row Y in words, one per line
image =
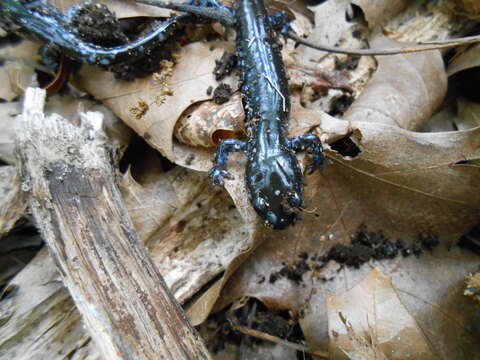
column 425, row 46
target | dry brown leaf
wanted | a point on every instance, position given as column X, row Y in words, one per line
column 402, row 183
column 404, row 91
column 374, row 311
column 149, row 206
column 464, row 60
column 470, row 8
column 167, row 94
column 468, row 114
column 18, row 71
column 430, row 289
column 330, row 25
column 378, row 12
column 8, row 112
column 443, row 120
column 13, row 202
column 39, row 318
column 206, row 123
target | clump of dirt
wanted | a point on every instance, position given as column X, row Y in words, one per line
column 364, row 246
column 222, row 93
column 225, row 65
column 349, row 63
column 219, row 333
column 293, row 273
column 341, row 104
column 95, row 23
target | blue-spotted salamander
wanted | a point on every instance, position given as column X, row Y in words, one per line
column 273, row 175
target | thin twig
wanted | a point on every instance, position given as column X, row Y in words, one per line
column 216, row 13
column 277, row 90
column 264, row 336
column 426, row 46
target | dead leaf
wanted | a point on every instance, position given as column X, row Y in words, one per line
column 13, row 202
column 469, row 8
column 403, row 183
column 443, row 120
column 149, row 205
column 466, row 59
column 207, row 123
column 374, row 311
column 18, row 71
column 192, row 75
column 378, row 12
column 8, row 112
column 404, row 91
column 468, row 116
column 330, row 25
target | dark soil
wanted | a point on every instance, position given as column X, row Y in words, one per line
column 341, row 104
column 96, row 24
column 365, row 246
column 253, row 315
column 350, row 63
column 225, row 65
column 222, row 93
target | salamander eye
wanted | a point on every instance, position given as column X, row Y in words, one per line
column 260, row 204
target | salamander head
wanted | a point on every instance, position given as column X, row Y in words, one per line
column 275, row 188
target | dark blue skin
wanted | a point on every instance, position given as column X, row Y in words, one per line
column 41, row 21
column 273, row 174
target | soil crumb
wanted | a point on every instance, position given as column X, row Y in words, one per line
column 222, row 93
column 219, row 334
column 364, row 246
column 225, row 65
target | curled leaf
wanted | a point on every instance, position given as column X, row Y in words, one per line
column 207, row 123
column 378, row 12
column 404, row 91
column 374, row 311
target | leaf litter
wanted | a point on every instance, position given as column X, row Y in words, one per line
column 382, row 174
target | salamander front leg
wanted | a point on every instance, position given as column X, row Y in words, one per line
column 313, row 143
column 224, row 148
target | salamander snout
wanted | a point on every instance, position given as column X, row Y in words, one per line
column 275, row 190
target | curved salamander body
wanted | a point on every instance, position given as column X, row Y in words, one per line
column 273, row 174
column 44, row 22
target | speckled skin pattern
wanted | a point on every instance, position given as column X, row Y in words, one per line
column 43, row 22
column 273, row 175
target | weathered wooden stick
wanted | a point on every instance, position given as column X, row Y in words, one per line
column 125, row 303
